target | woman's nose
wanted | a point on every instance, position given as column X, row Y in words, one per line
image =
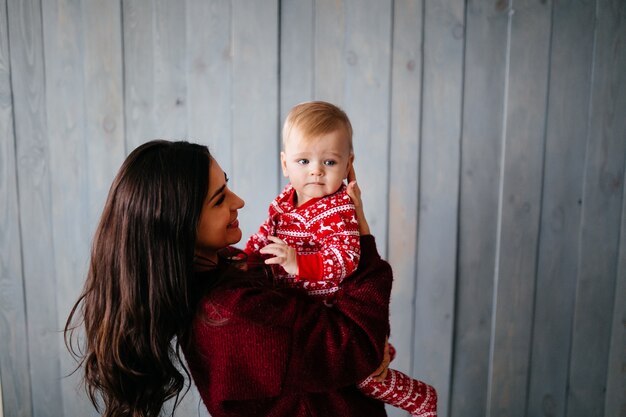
column 238, row 202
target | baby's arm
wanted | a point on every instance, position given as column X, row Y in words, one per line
column 258, row 241
column 338, row 257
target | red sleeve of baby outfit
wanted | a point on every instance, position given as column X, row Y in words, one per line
column 310, row 266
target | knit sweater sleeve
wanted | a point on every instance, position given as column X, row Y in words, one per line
column 341, row 345
column 273, row 342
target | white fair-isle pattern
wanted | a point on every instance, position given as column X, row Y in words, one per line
column 325, row 227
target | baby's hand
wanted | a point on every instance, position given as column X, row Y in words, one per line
column 284, row 255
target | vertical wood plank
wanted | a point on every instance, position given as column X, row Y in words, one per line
column 297, row 60
column 520, row 202
column 254, row 114
column 15, row 391
column 85, row 129
column 154, row 71
column 616, row 378
column 438, row 200
column 297, row 36
column 329, row 51
column 557, row 263
column 220, row 59
column 484, row 86
column 602, row 199
column 139, row 62
column 27, row 75
column 65, row 111
column 353, row 61
column 209, row 80
column 404, row 168
column 104, row 95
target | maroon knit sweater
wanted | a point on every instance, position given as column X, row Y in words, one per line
column 279, row 353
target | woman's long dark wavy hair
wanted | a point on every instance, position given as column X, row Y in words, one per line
column 138, row 296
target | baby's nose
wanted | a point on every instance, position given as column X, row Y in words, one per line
column 316, row 169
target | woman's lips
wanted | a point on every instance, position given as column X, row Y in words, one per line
column 233, row 224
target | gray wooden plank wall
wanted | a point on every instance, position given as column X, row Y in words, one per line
column 490, row 140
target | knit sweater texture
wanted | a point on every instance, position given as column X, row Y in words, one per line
column 261, row 351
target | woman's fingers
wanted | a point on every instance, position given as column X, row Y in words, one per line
column 353, row 188
column 355, row 194
column 380, row 374
column 351, row 174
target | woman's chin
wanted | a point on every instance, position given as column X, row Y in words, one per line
column 234, row 235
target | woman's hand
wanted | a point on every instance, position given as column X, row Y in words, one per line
column 355, row 194
column 284, row 255
column 380, row 374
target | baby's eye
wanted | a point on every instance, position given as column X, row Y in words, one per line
column 330, row 163
column 302, row 161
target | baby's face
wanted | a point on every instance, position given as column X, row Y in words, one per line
column 316, row 166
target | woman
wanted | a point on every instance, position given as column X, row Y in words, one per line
column 160, row 271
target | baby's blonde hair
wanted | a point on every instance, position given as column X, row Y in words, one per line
column 315, row 118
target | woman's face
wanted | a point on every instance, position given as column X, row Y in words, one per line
column 218, row 226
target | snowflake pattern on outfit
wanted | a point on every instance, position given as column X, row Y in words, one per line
column 325, row 233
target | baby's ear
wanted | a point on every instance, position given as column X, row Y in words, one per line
column 283, row 164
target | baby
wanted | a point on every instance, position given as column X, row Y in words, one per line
column 311, row 234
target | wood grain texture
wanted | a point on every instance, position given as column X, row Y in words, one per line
column 210, row 77
column 65, row 110
column 481, row 147
column 490, row 148
column 520, row 204
column 14, row 371
column 297, row 53
column 328, row 54
column 557, row 263
column 297, row 57
column 404, row 148
column 439, row 190
column 33, row 173
column 254, row 111
column 1, row 410
column 615, row 404
column 353, row 70
column 86, row 146
column 104, row 96
column 155, row 75
column 601, row 213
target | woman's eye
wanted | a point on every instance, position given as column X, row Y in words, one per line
column 330, row 163
column 302, row 161
column 220, row 200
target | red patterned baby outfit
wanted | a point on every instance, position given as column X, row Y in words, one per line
column 324, row 231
